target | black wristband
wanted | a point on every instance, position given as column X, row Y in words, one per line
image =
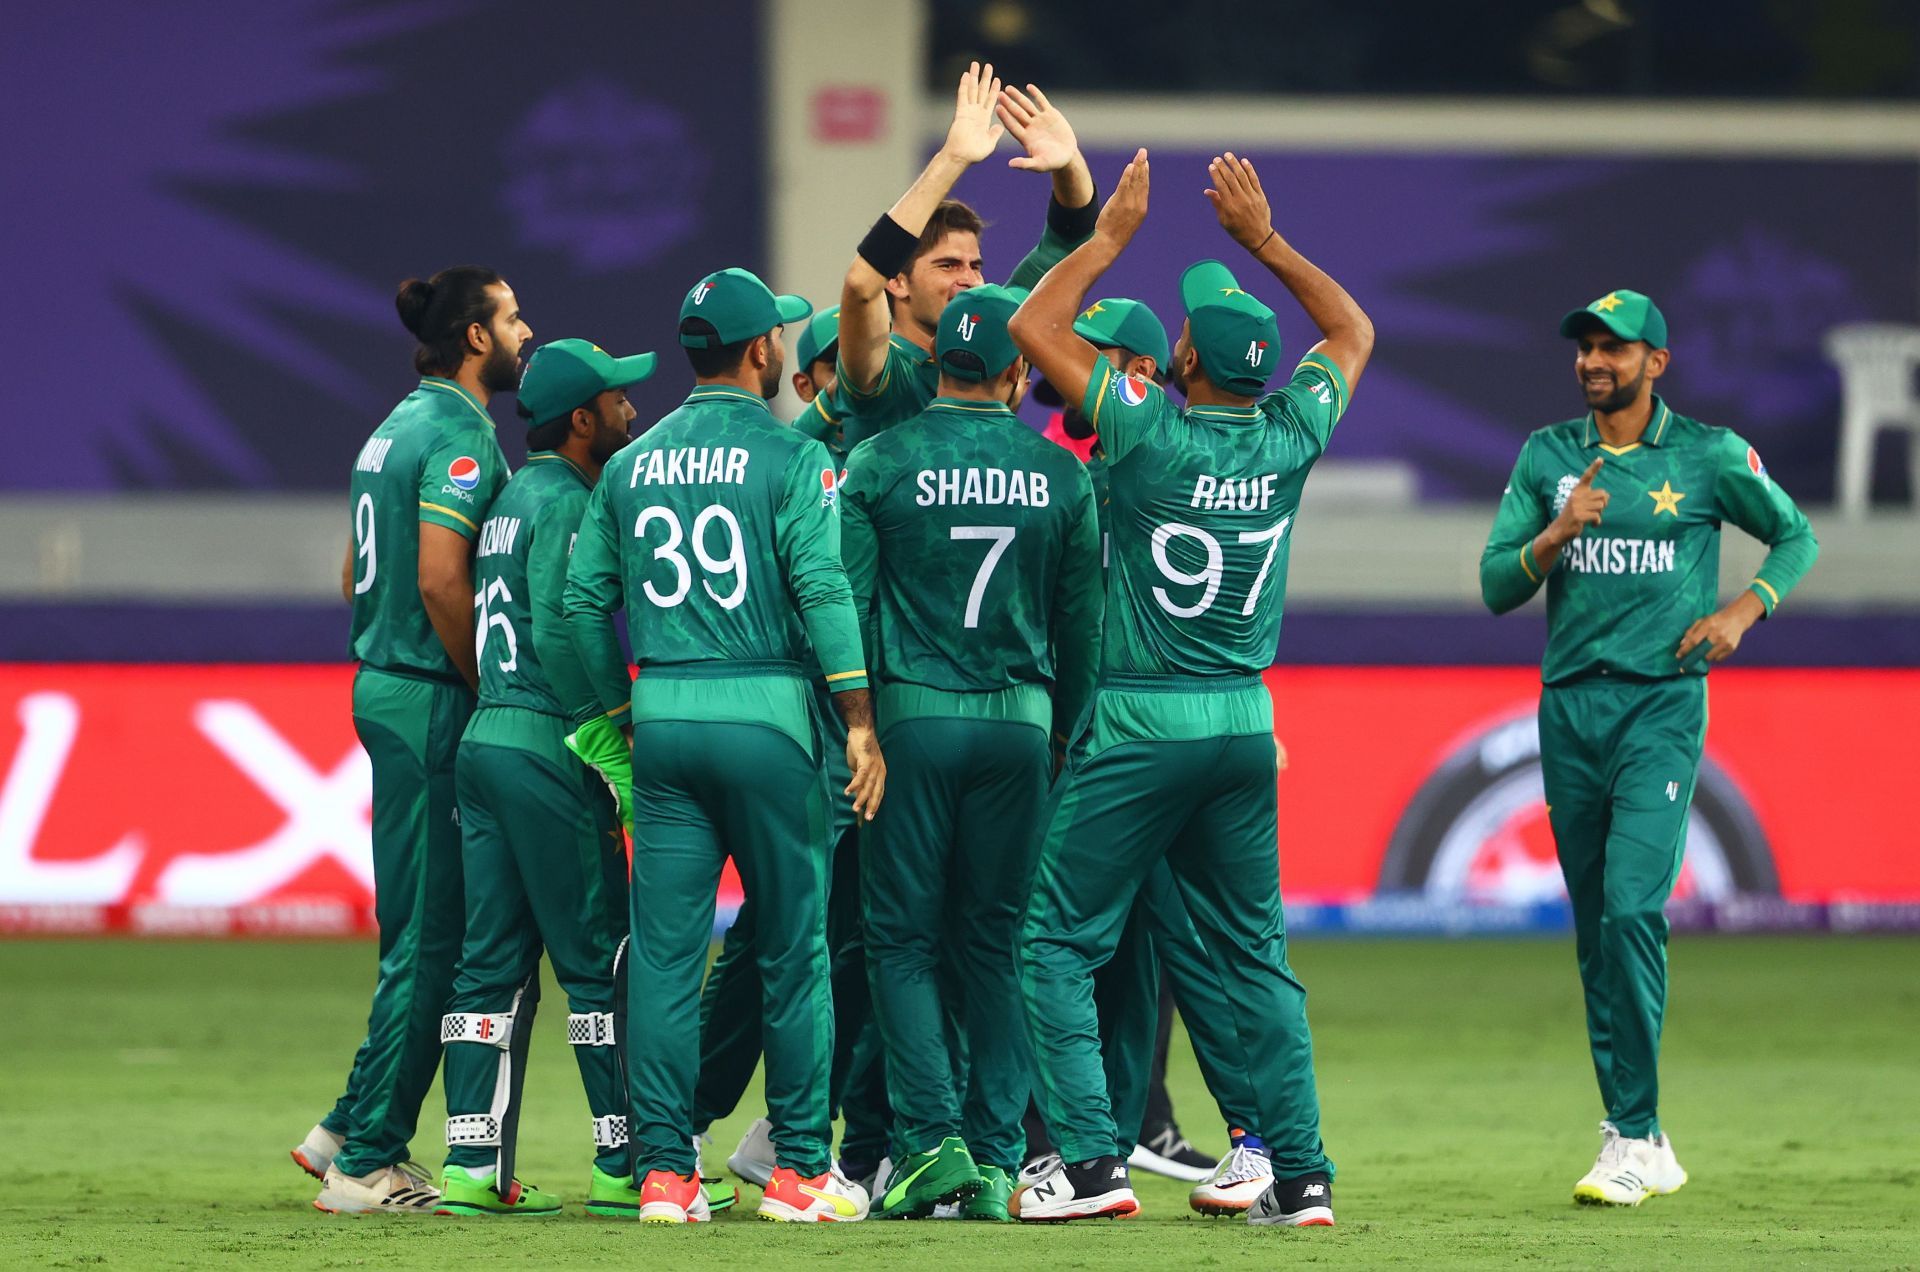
column 1263, row 242
column 1073, row 223
column 888, row 247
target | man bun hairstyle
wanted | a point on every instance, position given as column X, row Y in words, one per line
column 438, row 312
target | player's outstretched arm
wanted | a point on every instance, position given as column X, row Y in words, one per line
column 1042, row 328
column 446, row 591
column 888, row 248
column 1241, row 204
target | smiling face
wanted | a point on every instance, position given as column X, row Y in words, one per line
column 936, row 276
column 1614, row 373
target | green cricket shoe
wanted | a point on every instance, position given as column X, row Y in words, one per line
column 925, row 1180
column 721, row 1195
column 464, row 1193
column 612, row 1196
column 990, row 1203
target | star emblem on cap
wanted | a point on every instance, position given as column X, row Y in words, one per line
column 1608, row 303
column 1666, row 499
column 1099, row 307
column 1231, row 291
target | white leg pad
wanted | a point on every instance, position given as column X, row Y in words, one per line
column 591, row 1029
column 494, row 1029
column 473, row 1128
column 610, row 1132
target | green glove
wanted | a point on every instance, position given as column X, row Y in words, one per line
column 604, row 749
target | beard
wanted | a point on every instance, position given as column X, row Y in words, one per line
column 608, row 440
column 1619, row 397
column 770, row 380
column 500, row 373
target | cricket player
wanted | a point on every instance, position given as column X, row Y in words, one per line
column 926, row 249
column 973, row 547
column 1618, row 513
column 717, row 533
column 1178, row 763
column 544, row 856
column 421, row 488
column 730, row 1002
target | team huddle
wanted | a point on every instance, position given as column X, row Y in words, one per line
column 981, row 726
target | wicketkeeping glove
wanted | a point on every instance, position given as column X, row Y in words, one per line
column 604, row 749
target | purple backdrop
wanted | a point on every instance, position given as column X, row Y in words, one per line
column 209, row 206
column 1466, row 264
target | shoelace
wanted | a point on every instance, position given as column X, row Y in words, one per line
column 1042, row 1168
column 1613, row 1145
column 1242, row 1165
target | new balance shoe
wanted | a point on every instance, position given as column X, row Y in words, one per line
column 828, row 1198
column 753, row 1160
column 1094, row 1189
column 1167, row 1152
column 1242, row 1176
column 1628, row 1171
column 924, row 1180
column 612, row 1196
column 1303, row 1202
column 316, row 1152
column 990, row 1203
column 1035, row 1169
column 669, row 1198
column 391, row 1190
column 466, row 1192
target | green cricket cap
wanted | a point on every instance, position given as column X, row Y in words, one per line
column 739, row 306
column 565, row 374
column 1236, row 336
column 1627, row 314
column 972, row 343
column 820, row 338
column 1119, row 323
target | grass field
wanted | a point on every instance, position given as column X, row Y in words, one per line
column 152, row 1089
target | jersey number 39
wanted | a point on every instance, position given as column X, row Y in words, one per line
column 732, row 562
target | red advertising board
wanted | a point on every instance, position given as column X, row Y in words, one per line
column 233, row 799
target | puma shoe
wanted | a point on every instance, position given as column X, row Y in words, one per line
column 924, row 1180
column 1093, row 1189
column 990, row 1203
column 669, row 1198
column 828, row 1198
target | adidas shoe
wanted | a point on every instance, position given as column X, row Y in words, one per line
column 1167, row 1152
column 828, row 1198
column 1243, row 1175
column 391, row 1190
column 753, row 1160
column 669, row 1198
column 316, row 1152
column 1094, row 1189
column 1305, row 1202
column 1628, row 1171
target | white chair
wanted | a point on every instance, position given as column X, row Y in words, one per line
column 1877, row 364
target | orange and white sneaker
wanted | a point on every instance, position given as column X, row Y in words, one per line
column 828, row 1198
column 669, row 1198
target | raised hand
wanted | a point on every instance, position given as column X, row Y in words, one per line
column 1041, row 129
column 1126, row 207
column 973, row 134
column 1239, row 201
column 1583, row 507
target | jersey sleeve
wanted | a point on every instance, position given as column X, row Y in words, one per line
column 1509, row 575
column 592, row 596
column 820, row 422
column 1749, row 498
column 1121, row 409
column 458, row 479
column 860, row 548
column 554, row 532
column 1079, row 609
column 806, row 538
column 895, row 395
column 1312, row 401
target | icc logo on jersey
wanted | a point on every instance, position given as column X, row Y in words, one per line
column 1563, row 491
column 464, row 472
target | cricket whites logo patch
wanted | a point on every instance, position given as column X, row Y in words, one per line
column 1563, row 491
column 1130, row 389
column 464, row 472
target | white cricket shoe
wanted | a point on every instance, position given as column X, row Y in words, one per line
column 1628, row 1171
column 1039, row 1168
column 391, row 1190
column 753, row 1160
column 317, row 1151
column 1097, row 1189
column 1237, row 1183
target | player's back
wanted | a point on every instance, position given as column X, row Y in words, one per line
column 433, row 459
column 522, row 550
column 974, row 516
column 1201, row 507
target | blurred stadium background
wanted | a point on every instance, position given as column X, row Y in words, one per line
column 203, row 244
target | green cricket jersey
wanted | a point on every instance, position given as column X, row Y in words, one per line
column 519, row 584
column 972, row 545
column 911, row 379
column 1625, row 591
column 718, row 533
column 433, row 460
